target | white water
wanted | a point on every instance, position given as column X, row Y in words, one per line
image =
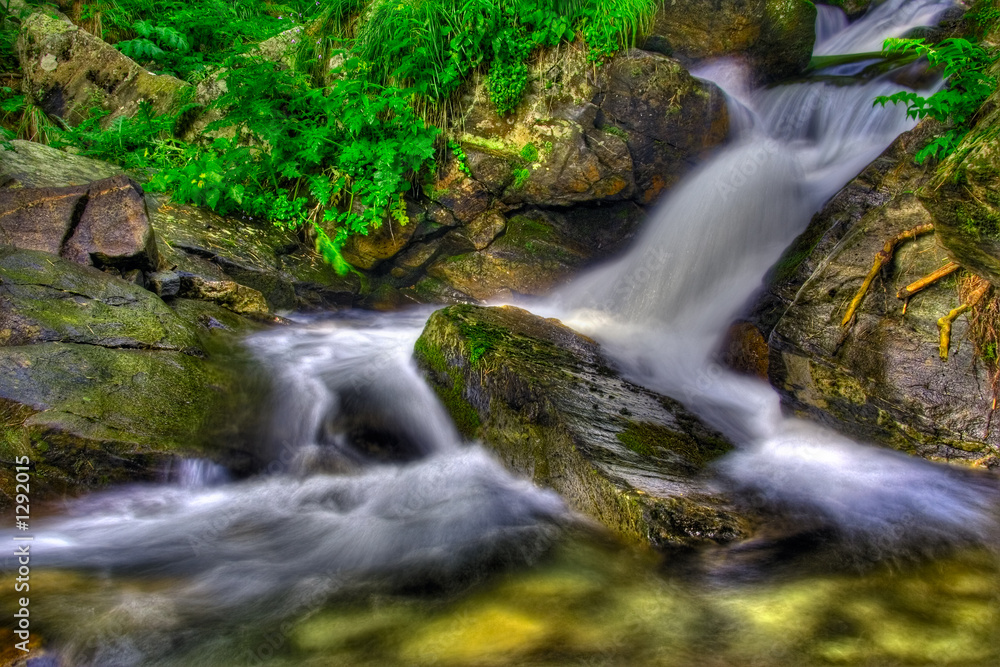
column 892, row 18
column 335, row 517
column 661, row 310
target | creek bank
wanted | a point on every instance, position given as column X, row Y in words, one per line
column 101, row 380
column 546, row 401
column 881, row 380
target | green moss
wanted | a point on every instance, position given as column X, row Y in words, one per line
column 448, row 385
column 615, row 131
column 480, row 339
column 529, row 153
column 646, row 439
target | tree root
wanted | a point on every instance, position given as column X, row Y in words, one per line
column 928, row 280
column 882, row 257
column 944, row 323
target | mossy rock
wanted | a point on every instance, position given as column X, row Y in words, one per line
column 545, row 400
column 776, row 36
column 881, row 380
column 89, row 416
column 27, row 164
column 252, row 253
column 44, row 298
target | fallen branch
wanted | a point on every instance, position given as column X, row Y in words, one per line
column 928, row 280
column 882, row 257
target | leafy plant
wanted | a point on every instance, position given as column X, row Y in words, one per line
column 964, row 66
column 456, row 150
column 332, row 153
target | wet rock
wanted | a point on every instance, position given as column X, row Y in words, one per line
column 882, row 380
column 88, row 416
column 745, row 350
column 775, row 36
column 48, row 299
column 30, row 165
column 103, row 224
column 544, row 399
column 69, row 71
column 667, row 117
column 238, row 298
column 536, row 252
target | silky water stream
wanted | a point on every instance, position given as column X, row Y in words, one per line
column 346, row 551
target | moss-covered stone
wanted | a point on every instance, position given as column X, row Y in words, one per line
column 776, row 36
column 250, row 252
column 101, row 415
column 44, row 298
column 543, row 398
column 881, row 380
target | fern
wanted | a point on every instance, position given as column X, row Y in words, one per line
column 964, row 66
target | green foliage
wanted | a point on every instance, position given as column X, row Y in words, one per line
column 456, row 150
column 964, row 66
column 985, row 15
column 330, row 152
column 187, row 39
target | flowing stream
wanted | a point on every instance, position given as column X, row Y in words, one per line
column 376, row 536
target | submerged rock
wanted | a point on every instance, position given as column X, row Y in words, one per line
column 881, row 380
column 545, row 400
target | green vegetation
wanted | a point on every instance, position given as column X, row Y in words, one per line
column 331, row 144
column 964, row 65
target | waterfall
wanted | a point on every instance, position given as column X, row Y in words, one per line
column 366, row 485
column 661, row 310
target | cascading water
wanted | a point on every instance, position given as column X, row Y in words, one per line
column 369, row 490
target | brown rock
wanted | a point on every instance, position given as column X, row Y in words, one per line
column 481, row 231
column 745, row 350
column 464, row 197
column 114, row 229
column 668, row 117
column 40, row 218
column 237, row 298
column 364, row 252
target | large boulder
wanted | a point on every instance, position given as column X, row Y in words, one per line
column 69, row 72
column 100, row 381
column 545, row 400
column 881, row 379
column 774, row 36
